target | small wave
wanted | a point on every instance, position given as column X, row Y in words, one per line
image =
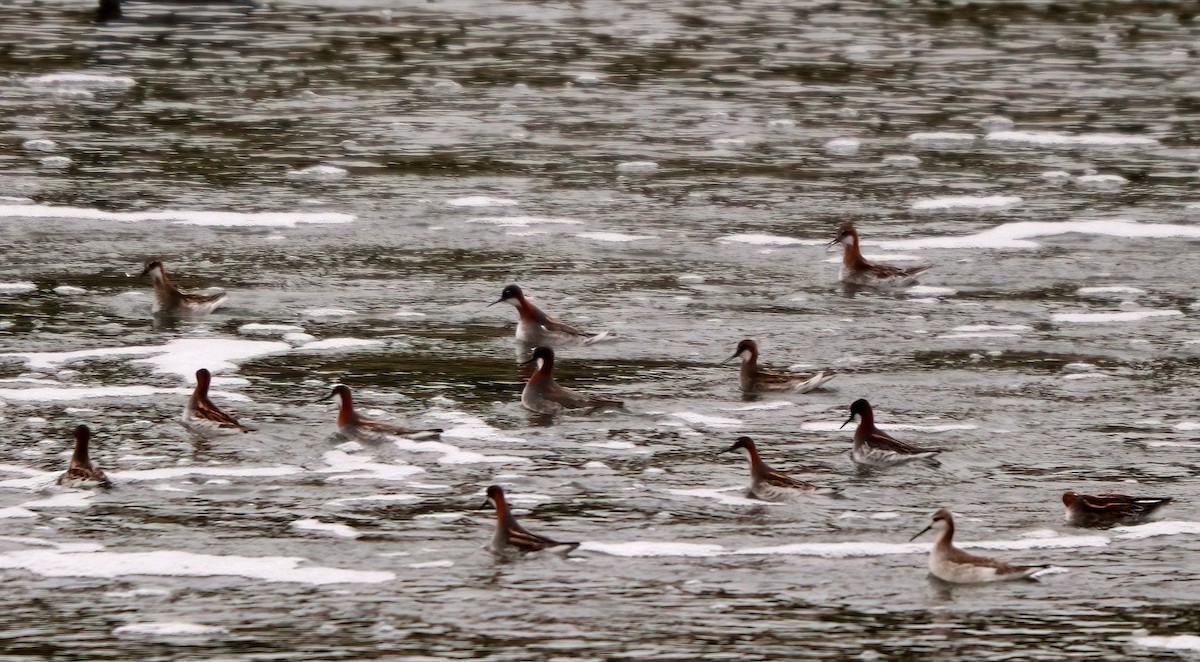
column 768, row 240
column 79, row 80
column 966, row 203
column 481, row 201
column 1179, row 642
column 1060, row 139
column 318, row 173
column 1017, row 235
column 614, row 236
column 523, row 221
column 943, row 139
column 17, row 288
column 1103, row 318
column 179, row 216
column 638, row 167
column 167, row 630
column 326, row 528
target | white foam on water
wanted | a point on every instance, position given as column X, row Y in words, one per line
column 762, row 406
column 955, row 203
column 256, row 329
column 184, row 356
column 139, row 593
column 481, row 201
column 1060, row 139
column 644, row 548
column 180, row 216
column 1110, row 289
column 843, row 146
column 615, row 237
column 1179, row 642
column 1187, row 426
column 166, row 473
column 80, row 80
column 930, row 290
column 613, row 445
column 722, row 496
column 1017, row 235
column 69, row 290
column 835, row 426
column 73, row 500
column 995, row 123
column 451, row 454
column 637, row 166
column 168, row 630
column 901, row 161
column 318, row 173
column 172, row 563
column 375, row 499
column 728, row 143
column 1155, row 529
column 1086, row 375
column 1056, row 176
column 1101, row 182
column 343, row 466
column 329, row 312
column 16, row 512
column 39, row 145
column 340, row 343
column 55, row 161
column 72, row 394
column 707, row 421
column 942, row 139
column 523, row 221
column 466, row 426
column 972, row 328
column 1104, row 318
column 768, row 240
column 431, row 564
column 17, row 288
column 325, row 528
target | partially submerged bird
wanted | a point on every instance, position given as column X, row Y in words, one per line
column 1104, row 510
column 856, row 270
column 543, row 395
column 768, row 484
column 511, row 540
column 537, row 329
column 875, row 448
column 757, row 380
column 170, row 302
column 950, row 564
column 83, row 472
column 354, row 426
column 200, row 412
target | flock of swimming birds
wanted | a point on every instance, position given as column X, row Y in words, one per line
column 872, row 448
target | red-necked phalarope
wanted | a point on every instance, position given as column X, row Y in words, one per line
column 353, row 426
column 875, row 448
column 950, row 564
column 543, row 395
column 200, row 412
column 170, row 302
column 1104, row 510
column 856, row 270
column 771, row 485
column 757, row 380
column 82, row 471
column 511, row 540
column 537, row 329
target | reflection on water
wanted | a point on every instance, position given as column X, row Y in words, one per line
column 363, row 178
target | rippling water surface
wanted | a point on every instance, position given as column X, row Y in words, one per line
column 367, row 177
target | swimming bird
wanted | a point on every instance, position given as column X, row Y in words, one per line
column 83, row 472
column 200, row 412
column 543, row 395
column 537, row 329
column 875, row 448
column 1104, row 510
column 856, row 270
column 170, row 302
column 353, row 426
column 768, row 484
column 511, row 540
column 757, row 380
column 950, row 564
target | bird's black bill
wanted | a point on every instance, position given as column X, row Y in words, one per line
column 848, row 422
column 729, row 359
column 486, row 504
column 494, row 303
column 326, row 398
column 531, row 360
column 920, row 532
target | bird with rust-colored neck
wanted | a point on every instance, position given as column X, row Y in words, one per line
column 856, row 270
column 170, row 302
column 875, row 448
column 950, row 564
column 511, row 540
column 543, row 395
column 756, row 380
column 83, row 472
column 201, row 414
column 1104, row 510
column 352, row 425
column 537, row 329
column 771, row 485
